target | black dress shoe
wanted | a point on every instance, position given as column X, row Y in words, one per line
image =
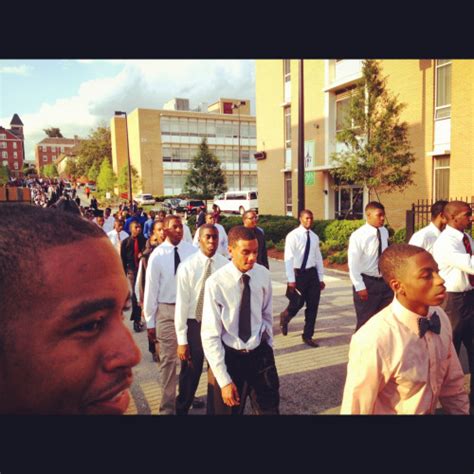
column 283, row 324
column 310, row 342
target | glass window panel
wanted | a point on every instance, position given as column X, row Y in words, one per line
column 287, row 69
column 235, row 130
column 244, row 129
column 193, row 128
column 211, row 128
column 165, row 126
column 174, row 126
column 183, row 126
column 288, row 127
column 202, row 128
column 228, row 130
column 440, row 62
column 342, row 113
column 252, row 130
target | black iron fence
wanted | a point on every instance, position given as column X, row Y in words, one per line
column 420, row 215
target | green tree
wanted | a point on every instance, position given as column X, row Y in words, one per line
column 71, row 168
column 53, row 132
column 93, row 172
column 4, row 174
column 94, row 149
column 50, row 171
column 377, row 153
column 205, row 178
column 122, row 180
column 106, row 178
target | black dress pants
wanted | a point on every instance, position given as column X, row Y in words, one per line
column 190, row 370
column 380, row 296
column 136, row 310
column 254, row 375
column 460, row 309
column 307, row 283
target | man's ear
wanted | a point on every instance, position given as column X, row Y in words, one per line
column 396, row 286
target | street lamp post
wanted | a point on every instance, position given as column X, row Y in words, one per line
column 118, row 113
column 237, row 106
column 301, row 196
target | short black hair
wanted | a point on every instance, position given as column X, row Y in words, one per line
column 26, row 232
column 453, row 208
column 246, row 213
column 169, row 218
column 394, row 258
column 240, row 232
column 305, row 211
column 207, row 226
column 374, row 205
column 155, row 223
column 437, row 208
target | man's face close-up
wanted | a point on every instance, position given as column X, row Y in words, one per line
column 71, row 353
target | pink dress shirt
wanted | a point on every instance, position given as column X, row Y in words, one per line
column 392, row 370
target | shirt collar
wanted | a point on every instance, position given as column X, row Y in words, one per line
column 408, row 318
column 454, row 232
column 203, row 258
column 303, row 229
column 236, row 273
column 434, row 228
column 371, row 228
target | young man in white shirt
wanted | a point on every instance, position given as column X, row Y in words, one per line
column 117, row 235
column 402, row 361
column 109, row 220
column 236, row 332
column 426, row 237
column 370, row 292
column 159, row 304
column 192, row 275
column 453, row 253
column 305, row 273
column 223, row 245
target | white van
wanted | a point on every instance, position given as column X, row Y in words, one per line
column 238, row 201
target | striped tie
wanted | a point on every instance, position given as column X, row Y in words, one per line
column 200, row 302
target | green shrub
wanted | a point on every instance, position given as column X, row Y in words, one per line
column 331, row 246
column 399, row 237
column 339, row 257
column 270, row 244
column 280, row 246
column 340, row 231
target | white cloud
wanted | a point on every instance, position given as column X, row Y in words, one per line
column 140, row 83
column 22, row 70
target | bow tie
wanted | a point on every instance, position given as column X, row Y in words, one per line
column 431, row 324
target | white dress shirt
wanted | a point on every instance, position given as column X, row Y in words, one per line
column 392, row 370
column 425, row 237
column 223, row 248
column 295, row 244
column 362, row 255
column 117, row 238
column 109, row 224
column 189, row 284
column 160, row 280
column 453, row 260
column 187, row 237
column 220, row 316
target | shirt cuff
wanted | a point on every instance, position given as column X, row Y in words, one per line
column 182, row 339
column 223, row 379
column 360, row 286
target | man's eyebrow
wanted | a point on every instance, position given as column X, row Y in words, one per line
column 86, row 308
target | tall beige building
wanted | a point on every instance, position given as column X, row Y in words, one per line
column 439, row 98
column 163, row 142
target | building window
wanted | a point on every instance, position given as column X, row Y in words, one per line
column 14, row 145
column 45, row 158
column 15, row 155
column 443, row 89
column 4, row 144
column 4, row 154
column 62, row 149
column 3, row 136
column 288, row 194
column 349, row 202
column 441, row 177
column 343, row 107
column 15, row 165
column 287, row 70
column 287, row 127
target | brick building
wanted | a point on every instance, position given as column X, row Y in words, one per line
column 48, row 150
column 12, row 146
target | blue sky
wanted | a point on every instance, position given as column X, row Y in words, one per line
column 78, row 95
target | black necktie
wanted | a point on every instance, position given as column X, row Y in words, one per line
column 244, row 315
column 177, row 260
column 306, row 251
column 379, row 237
column 432, row 324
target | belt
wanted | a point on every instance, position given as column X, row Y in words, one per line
column 240, row 351
column 371, row 277
column 298, row 270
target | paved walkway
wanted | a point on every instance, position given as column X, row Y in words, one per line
column 311, row 379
